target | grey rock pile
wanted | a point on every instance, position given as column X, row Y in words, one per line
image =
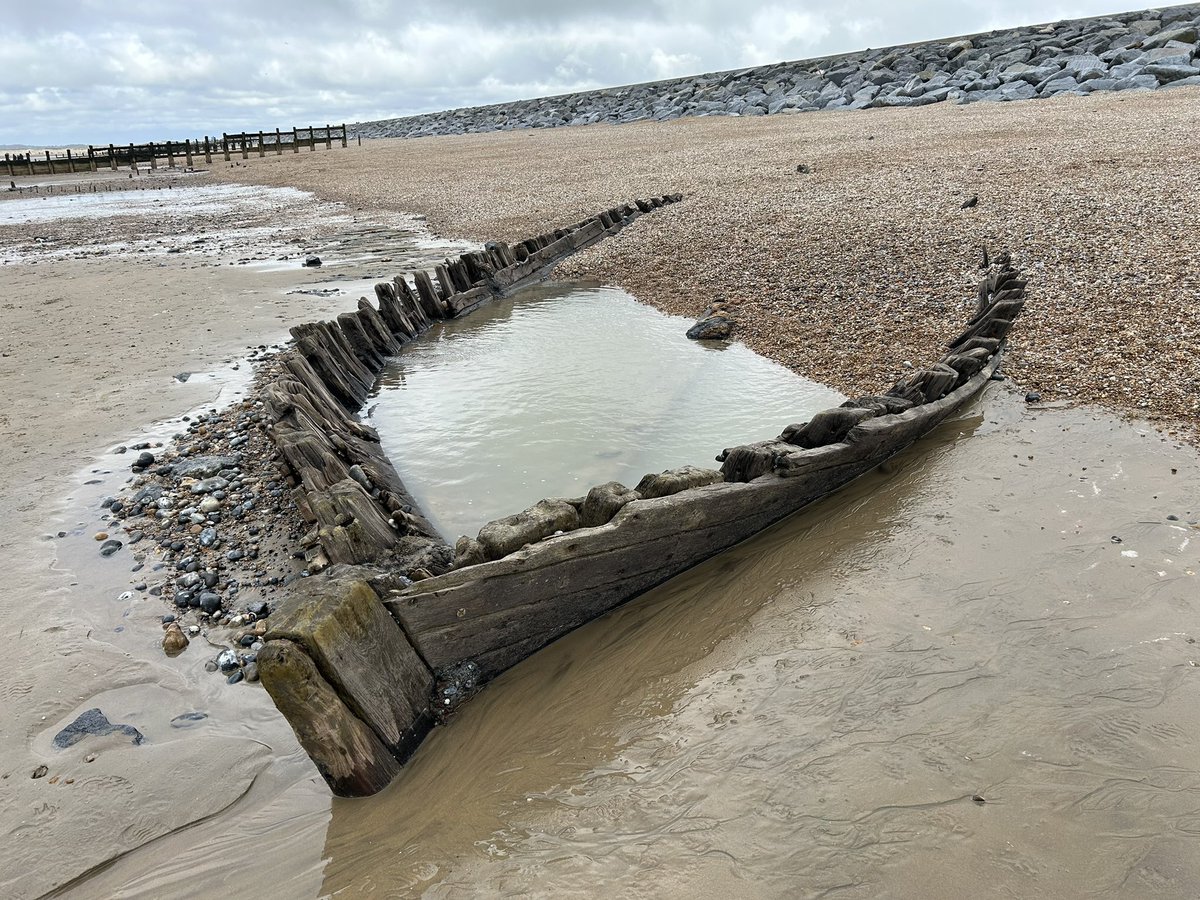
column 1137, row 51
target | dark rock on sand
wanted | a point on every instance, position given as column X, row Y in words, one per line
column 93, row 722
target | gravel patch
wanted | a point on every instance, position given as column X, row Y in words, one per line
column 868, row 259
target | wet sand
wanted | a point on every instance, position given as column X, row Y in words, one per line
column 807, row 715
column 91, row 347
column 811, row 713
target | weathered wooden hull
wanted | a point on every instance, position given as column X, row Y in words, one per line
column 364, row 659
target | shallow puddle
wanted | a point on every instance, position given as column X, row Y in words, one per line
column 563, row 388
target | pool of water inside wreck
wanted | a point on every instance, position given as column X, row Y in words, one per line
column 567, row 386
column 811, row 713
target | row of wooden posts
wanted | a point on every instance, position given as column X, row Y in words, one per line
column 187, row 152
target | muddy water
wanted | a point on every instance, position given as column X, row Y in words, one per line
column 812, row 713
column 567, row 386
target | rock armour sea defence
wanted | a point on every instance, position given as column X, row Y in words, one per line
column 1134, row 51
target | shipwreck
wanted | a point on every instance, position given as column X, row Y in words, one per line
column 399, row 627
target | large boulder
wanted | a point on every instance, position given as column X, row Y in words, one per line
column 544, row 518
column 713, row 328
column 672, row 481
column 604, row 501
column 827, row 427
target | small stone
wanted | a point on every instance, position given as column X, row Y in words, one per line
column 108, row 548
column 236, row 677
column 208, row 537
column 251, row 671
column 210, row 602
column 970, row 203
column 40, row 772
column 1033, row 397
column 183, row 376
column 144, row 460
column 174, row 641
column 227, row 661
column 312, row 261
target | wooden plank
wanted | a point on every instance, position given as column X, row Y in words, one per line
column 430, row 302
column 348, row 754
column 364, row 656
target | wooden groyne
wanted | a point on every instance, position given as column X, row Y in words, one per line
column 187, row 153
column 399, row 628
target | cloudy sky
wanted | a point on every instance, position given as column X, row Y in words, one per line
column 88, row 71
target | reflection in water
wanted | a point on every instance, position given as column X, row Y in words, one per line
column 563, row 389
column 811, row 713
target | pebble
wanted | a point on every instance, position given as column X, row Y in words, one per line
column 144, row 460
column 209, row 602
column 109, row 547
column 174, row 640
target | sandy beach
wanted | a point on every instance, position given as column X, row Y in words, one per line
column 1095, row 198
